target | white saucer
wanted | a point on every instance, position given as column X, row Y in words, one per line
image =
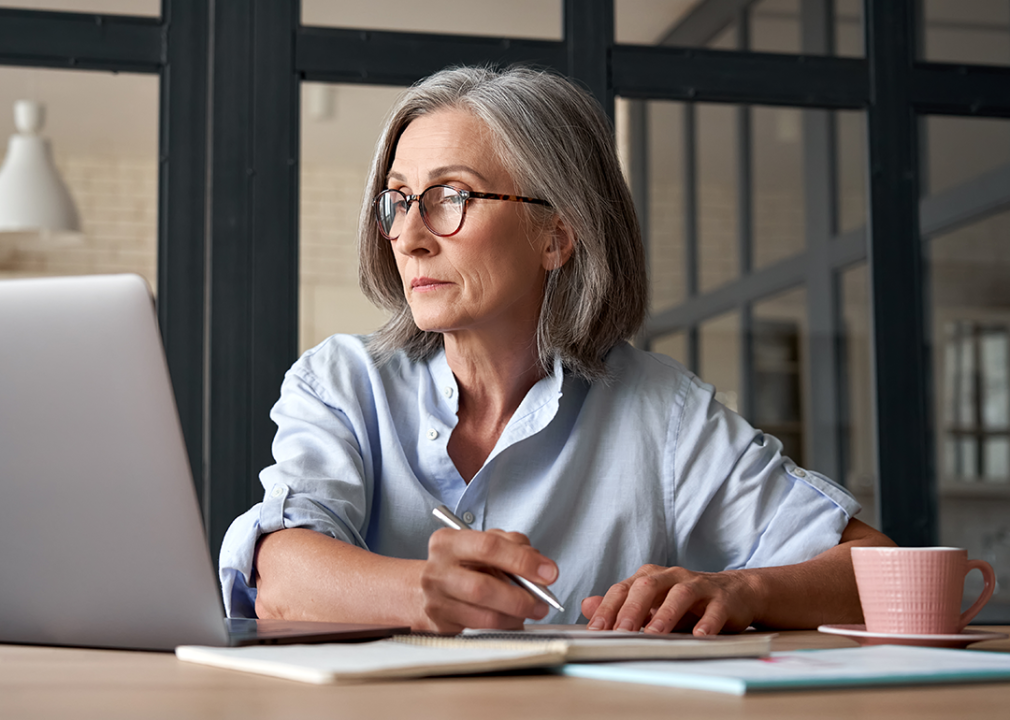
column 861, row 636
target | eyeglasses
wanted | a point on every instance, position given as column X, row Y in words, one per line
column 443, row 208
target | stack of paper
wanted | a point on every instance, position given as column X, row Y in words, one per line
column 479, row 651
column 807, row 669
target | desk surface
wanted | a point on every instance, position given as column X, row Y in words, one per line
column 40, row 682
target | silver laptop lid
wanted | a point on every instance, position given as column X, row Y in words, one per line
column 101, row 541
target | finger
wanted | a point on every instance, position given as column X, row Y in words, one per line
column 475, row 587
column 606, row 611
column 492, row 549
column 517, row 537
column 679, row 600
column 714, row 619
column 645, row 592
column 590, row 604
column 452, row 616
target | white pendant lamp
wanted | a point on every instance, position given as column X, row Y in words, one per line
column 34, row 200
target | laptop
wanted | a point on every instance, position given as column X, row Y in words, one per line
column 101, row 538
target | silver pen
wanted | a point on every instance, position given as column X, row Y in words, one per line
column 536, row 590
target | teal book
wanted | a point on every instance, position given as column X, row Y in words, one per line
column 810, row 669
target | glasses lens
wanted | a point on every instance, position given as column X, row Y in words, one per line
column 390, row 209
column 442, row 208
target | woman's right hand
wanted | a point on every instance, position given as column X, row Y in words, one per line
column 463, row 586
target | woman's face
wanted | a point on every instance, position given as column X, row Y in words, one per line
column 488, row 278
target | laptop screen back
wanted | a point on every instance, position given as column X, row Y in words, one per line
column 101, row 539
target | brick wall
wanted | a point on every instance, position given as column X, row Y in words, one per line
column 118, row 204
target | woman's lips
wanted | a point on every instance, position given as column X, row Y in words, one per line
column 426, row 284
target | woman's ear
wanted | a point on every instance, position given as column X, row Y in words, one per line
column 560, row 245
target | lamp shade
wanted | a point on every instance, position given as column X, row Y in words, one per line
column 33, row 196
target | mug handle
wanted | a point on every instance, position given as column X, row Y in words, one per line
column 989, row 576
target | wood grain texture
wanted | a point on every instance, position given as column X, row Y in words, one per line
column 42, row 682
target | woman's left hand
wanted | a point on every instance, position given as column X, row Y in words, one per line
column 665, row 599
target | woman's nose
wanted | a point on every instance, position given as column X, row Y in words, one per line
column 414, row 236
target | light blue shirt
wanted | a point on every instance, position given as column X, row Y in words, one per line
column 602, row 477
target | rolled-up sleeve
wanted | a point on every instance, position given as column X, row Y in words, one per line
column 741, row 503
column 319, row 481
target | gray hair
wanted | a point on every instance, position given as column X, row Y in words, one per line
column 557, row 145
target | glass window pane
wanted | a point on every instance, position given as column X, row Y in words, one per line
column 851, row 154
column 517, row 18
column 859, row 420
column 775, row 26
column 105, row 7
column 646, row 22
column 665, row 229
column 103, row 134
column 849, row 34
column 778, row 184
column 780, row 370
column 967, row 32
column 717, row 195
column 726, row 39
column 340, row 125
column 997, row 459
column 959, row 149
column 970, row 310
column 993, row 371
column 673, row 344
column 719, row 357
column 967, row 467
column 650, row 22
column 964, row 380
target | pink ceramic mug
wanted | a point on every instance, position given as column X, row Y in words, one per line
column 917, row 591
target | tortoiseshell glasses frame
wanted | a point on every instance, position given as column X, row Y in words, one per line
column 443, row 208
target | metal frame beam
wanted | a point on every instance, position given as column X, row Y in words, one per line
column 948, row 89
column 589, row 37
column 81, row 41
column 182, row 218
column 824, row 359
column 394, row 58
column 901, row 357
column 252, row 244
column 669, row 73
column 691, row 254
column 745, row 231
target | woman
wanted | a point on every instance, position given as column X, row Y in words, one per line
column 500, row 234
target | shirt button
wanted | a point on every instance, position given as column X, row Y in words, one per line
column 800, row 472
column 277, row 491
column 468, row 517
column 447, row 391
column 433, row 434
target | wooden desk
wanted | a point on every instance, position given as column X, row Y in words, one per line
column 38, row 682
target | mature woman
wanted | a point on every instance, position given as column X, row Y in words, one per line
column 500, row 234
